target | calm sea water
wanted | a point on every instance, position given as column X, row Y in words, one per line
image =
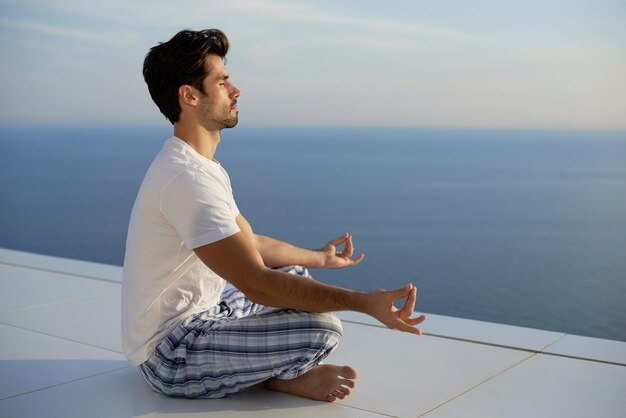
column 519, row 227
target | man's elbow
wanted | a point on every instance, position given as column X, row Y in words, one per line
column 250, row 283
column 258, row 242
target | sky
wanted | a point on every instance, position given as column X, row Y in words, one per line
column 536, row 64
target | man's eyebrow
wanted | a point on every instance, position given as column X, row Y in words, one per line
column 224, row 77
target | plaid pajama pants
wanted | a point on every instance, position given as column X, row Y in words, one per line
column 238, row 344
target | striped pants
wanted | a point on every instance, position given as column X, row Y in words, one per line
column 238, row 344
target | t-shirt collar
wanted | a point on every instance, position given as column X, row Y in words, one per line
column 178, row 141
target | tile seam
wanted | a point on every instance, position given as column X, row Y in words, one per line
column 66, row 273
column 573, row 357
column 480, row 384
column 368, row 410
column 65, row 383
column 447, row 337
column 23, row 310
column 543, row 351
column 60, row 338
column 552, row 342
column 527, row 350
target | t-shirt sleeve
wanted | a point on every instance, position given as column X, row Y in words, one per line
column 200, row 208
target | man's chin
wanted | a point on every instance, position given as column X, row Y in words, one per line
column 230, row 123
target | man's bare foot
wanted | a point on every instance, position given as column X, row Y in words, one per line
column 324, row 382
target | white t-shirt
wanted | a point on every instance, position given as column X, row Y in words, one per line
column 185, row 201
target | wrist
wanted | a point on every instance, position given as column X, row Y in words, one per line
column 359, row 302
column 320, row 258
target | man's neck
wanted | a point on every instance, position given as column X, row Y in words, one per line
column 202, row 141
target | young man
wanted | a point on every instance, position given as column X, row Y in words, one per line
column 186, row 238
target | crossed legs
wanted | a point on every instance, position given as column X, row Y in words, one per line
column 239, row 344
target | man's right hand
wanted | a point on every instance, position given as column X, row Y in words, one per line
column 380, row 306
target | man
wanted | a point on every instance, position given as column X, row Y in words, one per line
column 186, row 238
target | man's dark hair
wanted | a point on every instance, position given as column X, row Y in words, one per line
column 180, row 61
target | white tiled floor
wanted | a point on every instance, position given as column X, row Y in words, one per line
column 590, row 348
column 60, row 357
column 123, row 394
column 31, row 361
column 67, row 266
column 44, row 288
column 405, row 375
column 93, row 320
column 472, row 330
column 545, row 386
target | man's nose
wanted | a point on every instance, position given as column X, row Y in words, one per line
column 235, row 92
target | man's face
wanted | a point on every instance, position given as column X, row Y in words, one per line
column 218, row 108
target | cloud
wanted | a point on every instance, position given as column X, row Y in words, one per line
column 118, row 38
column 198, row 12
column 306, row 14
column 334, row 63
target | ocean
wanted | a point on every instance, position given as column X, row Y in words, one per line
column 519, row 227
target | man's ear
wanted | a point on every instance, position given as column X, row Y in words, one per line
column 188, row 95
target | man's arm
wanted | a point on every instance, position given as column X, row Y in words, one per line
column 236, row 259
column 277, row 253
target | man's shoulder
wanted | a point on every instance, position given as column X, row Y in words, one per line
column 177, row 157
column 170, row 162
column 174, row 168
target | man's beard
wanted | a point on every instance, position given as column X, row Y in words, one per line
column 230, row 122
column 212, row 124
column 215, row 125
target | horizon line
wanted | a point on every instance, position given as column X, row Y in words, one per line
column 15, row 125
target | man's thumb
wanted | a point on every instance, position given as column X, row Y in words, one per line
column 400, row 293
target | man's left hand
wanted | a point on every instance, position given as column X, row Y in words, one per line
column 334, row 259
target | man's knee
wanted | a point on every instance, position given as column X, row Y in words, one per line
column 333, row 321
column 328, row 327
column 318, row 335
